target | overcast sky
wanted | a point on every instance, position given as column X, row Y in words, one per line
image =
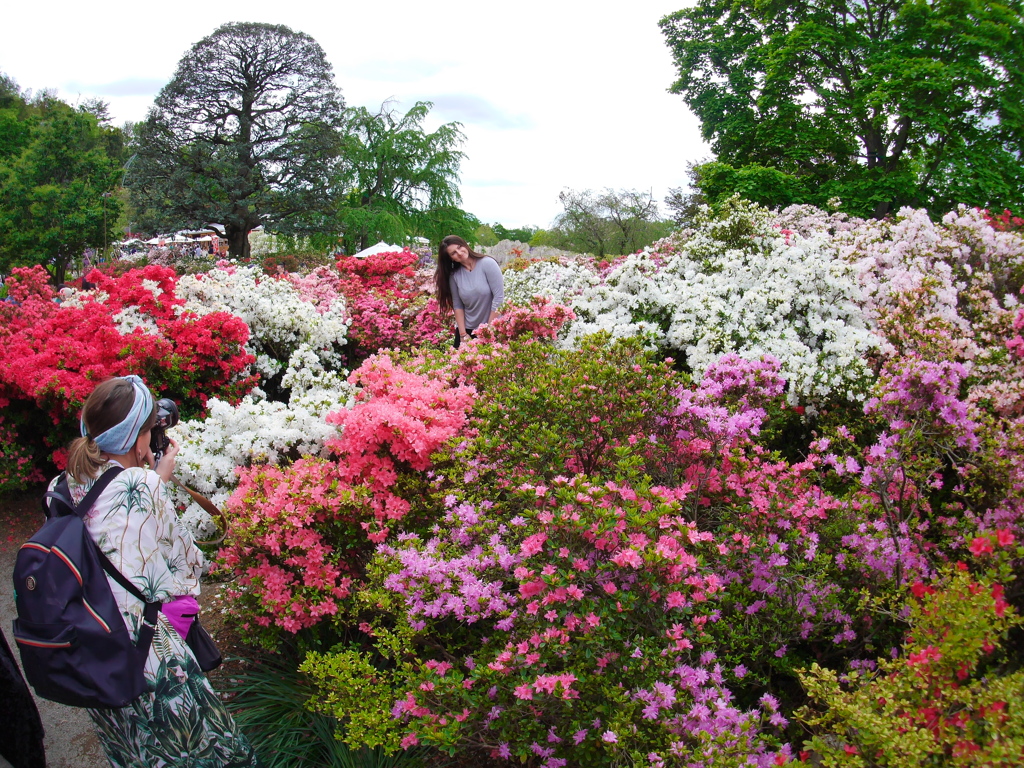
column 551, row 94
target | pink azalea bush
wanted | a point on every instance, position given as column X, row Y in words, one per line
column 301, row 534
column 390, row 302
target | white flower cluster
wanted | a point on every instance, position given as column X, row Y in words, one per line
column 131, row 317
column 257, row 431
column 911, row 255
column 740, row 284
column 631, row 301
column 279, row 320
column 560, row 281
column 786, row 296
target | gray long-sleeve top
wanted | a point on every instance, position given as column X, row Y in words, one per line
column 478, row 292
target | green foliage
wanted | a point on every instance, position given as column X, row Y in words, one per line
column 484, row 235
column 763, row 185
column 946, row 701
column 269, row 700
column 543, row 237
column 357, row 694
column 882, row 106
column 569, row 410
column 399, row 180
column 59, row 170
column 522, row 234
column 246, row 133
column 609, row 223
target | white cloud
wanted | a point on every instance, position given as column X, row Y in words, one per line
column 471, row 110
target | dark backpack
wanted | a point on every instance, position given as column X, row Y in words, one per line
column 74, row 644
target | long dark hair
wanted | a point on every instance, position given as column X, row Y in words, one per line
column 445, row 267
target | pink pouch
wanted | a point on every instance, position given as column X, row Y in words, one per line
column 180, row 611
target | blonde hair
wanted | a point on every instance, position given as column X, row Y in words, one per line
column 106, row 407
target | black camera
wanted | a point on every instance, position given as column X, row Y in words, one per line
column 166, row 416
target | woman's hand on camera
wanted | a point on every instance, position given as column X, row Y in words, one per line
column 165, row 467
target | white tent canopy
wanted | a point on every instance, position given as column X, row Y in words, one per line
column 380, row 247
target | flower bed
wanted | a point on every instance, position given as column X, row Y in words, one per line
column 754, row 496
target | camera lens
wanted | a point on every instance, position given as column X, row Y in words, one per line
column 167, row 412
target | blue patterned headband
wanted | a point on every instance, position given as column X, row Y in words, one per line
column 120, row 438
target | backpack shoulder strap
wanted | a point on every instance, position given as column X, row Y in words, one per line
column 57, row 503
column 149, row 612
column 97, row 488
column 151, row 609
column 90, row 498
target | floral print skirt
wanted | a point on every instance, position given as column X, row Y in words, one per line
column 180, row 722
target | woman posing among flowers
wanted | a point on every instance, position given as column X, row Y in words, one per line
column 469, row 284
column 180, row 720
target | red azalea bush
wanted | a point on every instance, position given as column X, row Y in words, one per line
column 1005, row 221
column 381, row 270
column 55, row 354
column 391, row 304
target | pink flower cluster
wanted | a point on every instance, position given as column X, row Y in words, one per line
column 303, row 532
column 542, row 319
column 399, row 420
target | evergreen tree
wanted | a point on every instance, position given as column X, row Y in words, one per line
column 246, row 133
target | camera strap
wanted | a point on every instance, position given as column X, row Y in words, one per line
column 210, row 507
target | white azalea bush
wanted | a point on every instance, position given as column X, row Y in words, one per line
column 559, row 281
column 280, row 320
column 821, row 291
column 739, row 284
column 630, row 301
column 934, row 262
column 257, row 431
column 131, row 318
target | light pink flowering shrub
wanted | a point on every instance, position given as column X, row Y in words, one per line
column 302, row 533
column 542, row 319
column 400, row 418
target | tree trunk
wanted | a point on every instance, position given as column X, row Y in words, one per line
column 238, row 241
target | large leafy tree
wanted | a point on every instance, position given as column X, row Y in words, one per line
column 607, row 223
column 401, row 180
column 879, row 102
column 59, row 170
column 246, row 133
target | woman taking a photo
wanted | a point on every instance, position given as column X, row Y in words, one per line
column 469, row 284
column 180, row 720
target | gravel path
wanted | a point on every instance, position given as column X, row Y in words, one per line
column 70, row 740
